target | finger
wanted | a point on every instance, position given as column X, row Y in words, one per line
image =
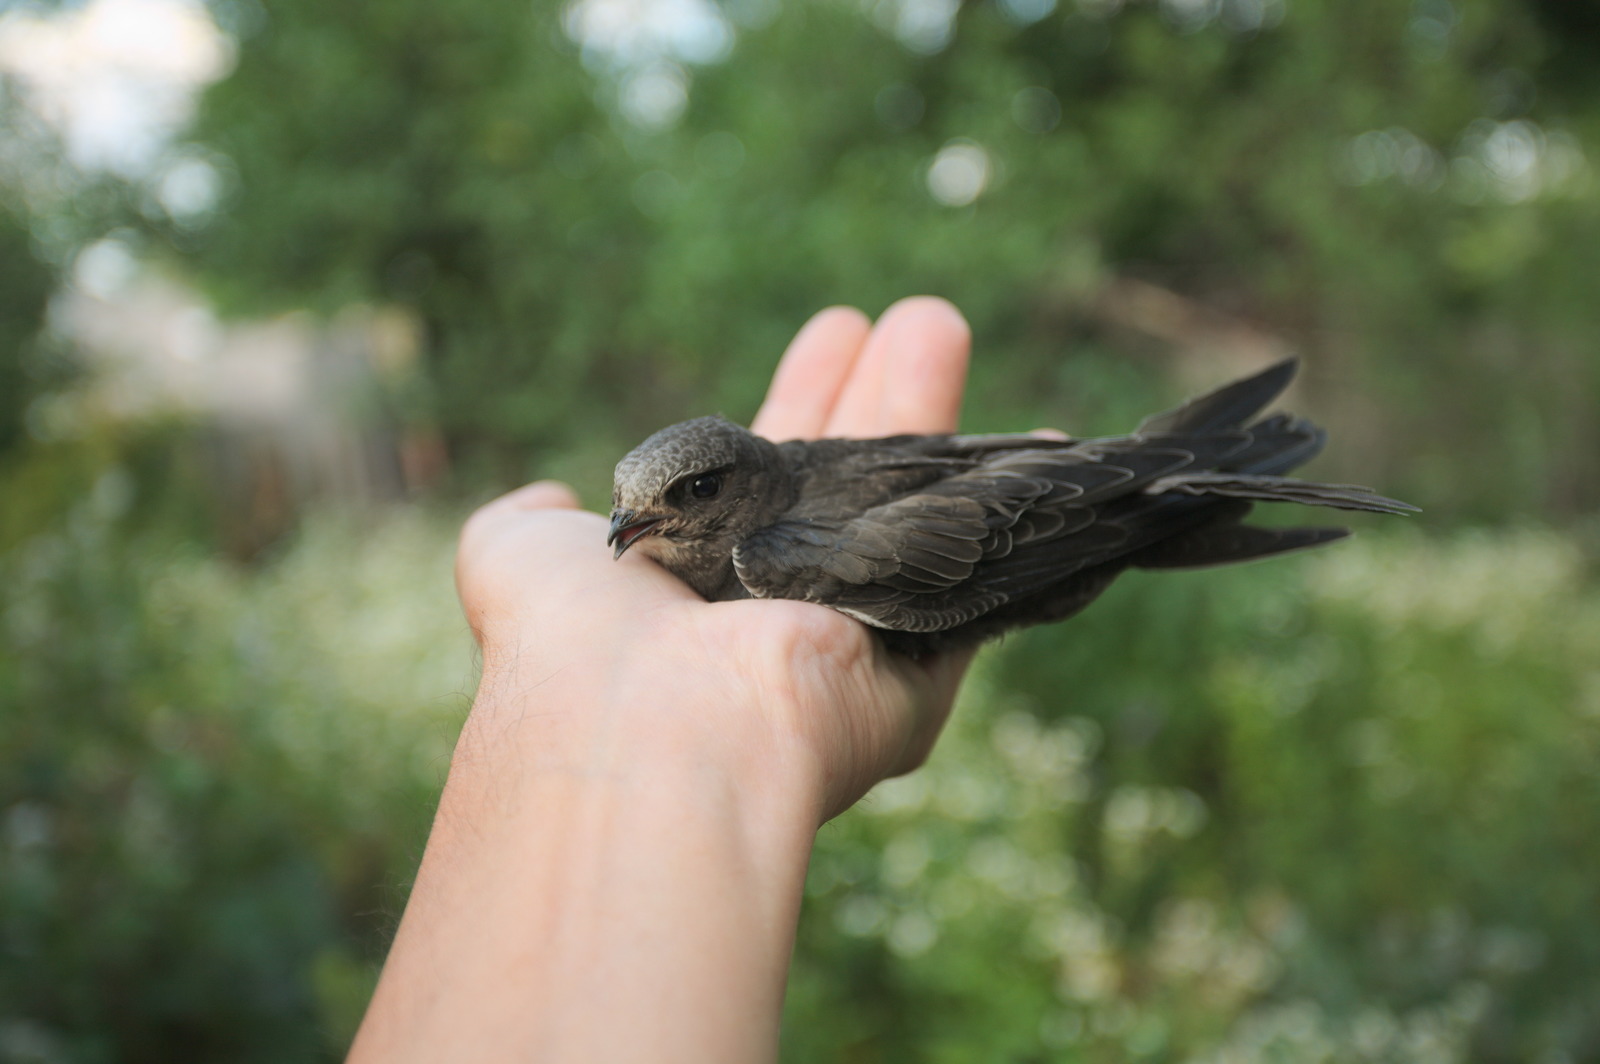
column 857, row 412
column 940, row 681
column 928, row 374
column 811, row 374
column 540, row 495
column 948, row 670
column 910, row 375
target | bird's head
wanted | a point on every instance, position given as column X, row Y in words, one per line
column 689, row 493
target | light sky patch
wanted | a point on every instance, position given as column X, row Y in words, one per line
column 117, row 79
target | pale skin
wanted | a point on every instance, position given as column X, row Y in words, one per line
column 615, row 870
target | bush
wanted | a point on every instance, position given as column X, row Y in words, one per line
column 1339, row 808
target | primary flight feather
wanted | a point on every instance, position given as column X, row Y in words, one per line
column 944, row 541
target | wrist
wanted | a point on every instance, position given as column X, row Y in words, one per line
column 633, row 728
column 605, row 872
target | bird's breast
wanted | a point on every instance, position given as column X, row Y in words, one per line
column 708, row 570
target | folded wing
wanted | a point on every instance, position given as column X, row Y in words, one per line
column 1018, row 529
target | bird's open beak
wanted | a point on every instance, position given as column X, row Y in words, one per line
column 626, row 528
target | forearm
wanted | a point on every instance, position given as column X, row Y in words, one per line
column 602, row 883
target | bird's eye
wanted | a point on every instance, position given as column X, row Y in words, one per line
column 705, row 485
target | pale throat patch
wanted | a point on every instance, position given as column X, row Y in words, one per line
column 664, row 550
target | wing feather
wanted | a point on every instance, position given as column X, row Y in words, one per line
column 955, row 529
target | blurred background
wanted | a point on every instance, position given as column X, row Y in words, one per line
column 287, row 286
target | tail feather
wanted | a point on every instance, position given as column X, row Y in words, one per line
column 1278, row 444
column 1228, row 543
column 1227, row 407
column 1279, row 489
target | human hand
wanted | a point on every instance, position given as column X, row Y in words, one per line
column 616, row 867
column 775, row 691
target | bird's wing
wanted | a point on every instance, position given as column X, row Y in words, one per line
column 963, row 526
column 967, row 543
column 1227, row 407
column 929, row 534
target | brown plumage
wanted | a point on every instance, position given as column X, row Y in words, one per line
column 944, row 541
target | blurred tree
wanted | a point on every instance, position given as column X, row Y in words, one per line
column 25, row 287
column 1220, row 818
column 198, row 817
column 604, row 232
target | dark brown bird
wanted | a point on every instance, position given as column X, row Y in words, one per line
column 944, row 541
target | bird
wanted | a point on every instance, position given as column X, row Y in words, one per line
column 941, row 542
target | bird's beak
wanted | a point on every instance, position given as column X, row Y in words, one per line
column 626, row 528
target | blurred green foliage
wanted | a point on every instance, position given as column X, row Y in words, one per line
column 215, row 782
column 580, row 275
column 1334, row 809
column 1332, row 824
column 25, row 286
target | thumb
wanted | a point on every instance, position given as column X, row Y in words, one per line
column 540, row 495
column 494, row 546
column 508, row 513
